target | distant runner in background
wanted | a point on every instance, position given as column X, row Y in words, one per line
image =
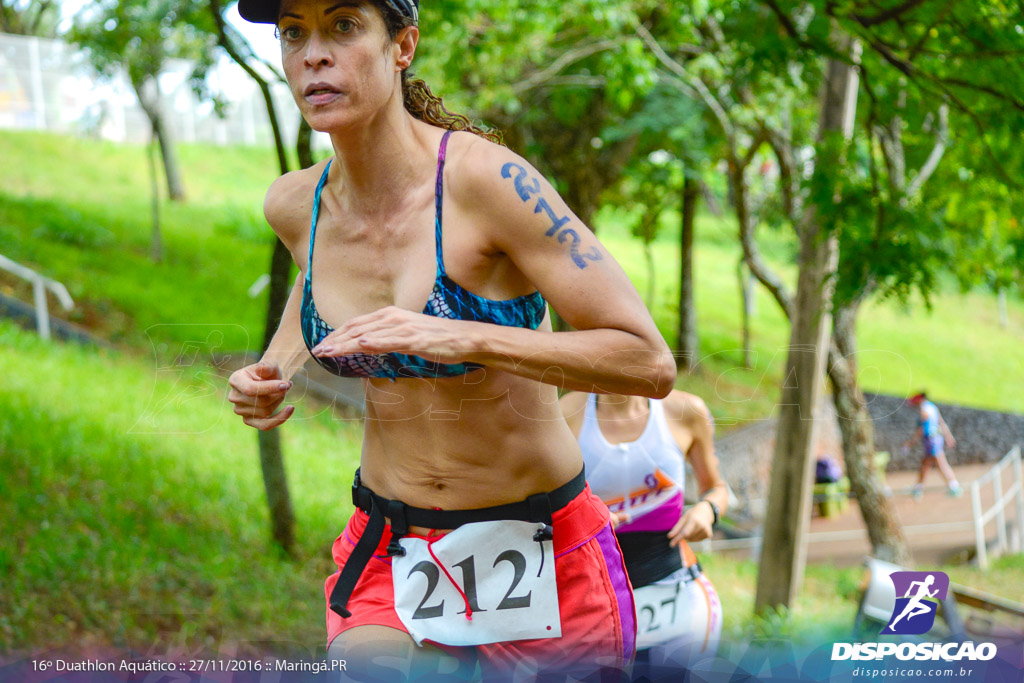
column 633, row 451
column 935, row 438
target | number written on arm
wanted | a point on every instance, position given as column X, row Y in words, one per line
column 528, row 187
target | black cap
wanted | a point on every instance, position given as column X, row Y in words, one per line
column 267, row 11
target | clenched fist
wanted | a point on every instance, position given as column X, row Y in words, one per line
column 257, row 390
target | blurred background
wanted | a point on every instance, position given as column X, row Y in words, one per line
column 706, row 143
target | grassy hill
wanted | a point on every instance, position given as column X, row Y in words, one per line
column 79, row 211
column 131, row 494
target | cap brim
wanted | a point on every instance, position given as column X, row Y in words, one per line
column 259, row 11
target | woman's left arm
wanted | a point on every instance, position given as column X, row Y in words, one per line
column 688, row 413
column 616, row 346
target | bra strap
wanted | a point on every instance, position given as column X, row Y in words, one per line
column 438, row 195
column 312, row 223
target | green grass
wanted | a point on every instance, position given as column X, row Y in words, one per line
column 131, row 494
column 79, row 211
column 138, row 516
column 124, row 523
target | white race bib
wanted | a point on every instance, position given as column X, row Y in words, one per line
column 661, row 613
column 508, row 579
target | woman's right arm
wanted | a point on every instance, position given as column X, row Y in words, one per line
column 257, row 390
column 287, row 349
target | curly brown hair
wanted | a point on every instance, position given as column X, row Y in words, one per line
column 416, row 95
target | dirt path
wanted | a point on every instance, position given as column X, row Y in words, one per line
column 929, row 547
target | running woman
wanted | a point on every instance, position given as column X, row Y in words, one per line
column 634, row 450
column 427, row 257
column 935, row 436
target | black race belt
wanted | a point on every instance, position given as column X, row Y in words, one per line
column 650, row 558
column 537, row 508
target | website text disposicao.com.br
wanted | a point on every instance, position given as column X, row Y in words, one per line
column 946, row 658
column 869, row 672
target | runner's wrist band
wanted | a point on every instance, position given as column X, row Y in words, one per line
column 714, row 509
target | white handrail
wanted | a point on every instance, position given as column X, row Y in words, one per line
column 39, row 286
column 1001, row 499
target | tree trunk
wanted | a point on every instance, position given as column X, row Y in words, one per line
column 687, row 340
column 275, row 483
column 271, row 456
column 747, row 293
column 148, row 93
column 304, row 144
column 884, row 530
column 156, row 247
column 747, row 223
column 172, row 171
column 788, row 512
column 649, row 260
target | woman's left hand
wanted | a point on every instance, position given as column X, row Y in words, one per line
column 694, row 525
column 397, row 330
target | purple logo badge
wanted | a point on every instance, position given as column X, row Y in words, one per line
column 917, row 596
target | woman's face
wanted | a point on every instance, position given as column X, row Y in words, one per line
column 340, row 64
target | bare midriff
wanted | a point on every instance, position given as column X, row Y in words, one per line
column 481, row 439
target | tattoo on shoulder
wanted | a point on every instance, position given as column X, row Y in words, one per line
column 527, row 188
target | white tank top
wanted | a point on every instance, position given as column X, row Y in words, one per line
column 639, row 477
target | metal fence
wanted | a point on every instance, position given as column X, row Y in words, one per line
column 1003, row 497
column 1006, row 479
column 49, row 85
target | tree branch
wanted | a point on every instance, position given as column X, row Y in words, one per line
column 565, row 59
column 760, row 137
column 583, row 80
column 783, row 150
column 932, row 162
column 226, row 43
column 889, row 14
column 694, row 84
column 988, row 90
column 751, row 253
column 943, row 93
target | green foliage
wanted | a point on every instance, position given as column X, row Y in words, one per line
column 141, row 35
column 900, row 229
column 554, row 80
column 29, row 17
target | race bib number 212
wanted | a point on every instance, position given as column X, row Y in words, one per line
column 508, row 580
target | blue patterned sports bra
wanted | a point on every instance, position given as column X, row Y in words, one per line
column 447, row 300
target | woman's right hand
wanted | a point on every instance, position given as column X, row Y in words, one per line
column 257, row 390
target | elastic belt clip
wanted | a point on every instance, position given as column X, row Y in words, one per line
column 394, row 548
column 399, row 528
column 540, row 512
column 357, row 483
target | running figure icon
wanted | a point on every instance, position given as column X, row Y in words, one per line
column 915, row 606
